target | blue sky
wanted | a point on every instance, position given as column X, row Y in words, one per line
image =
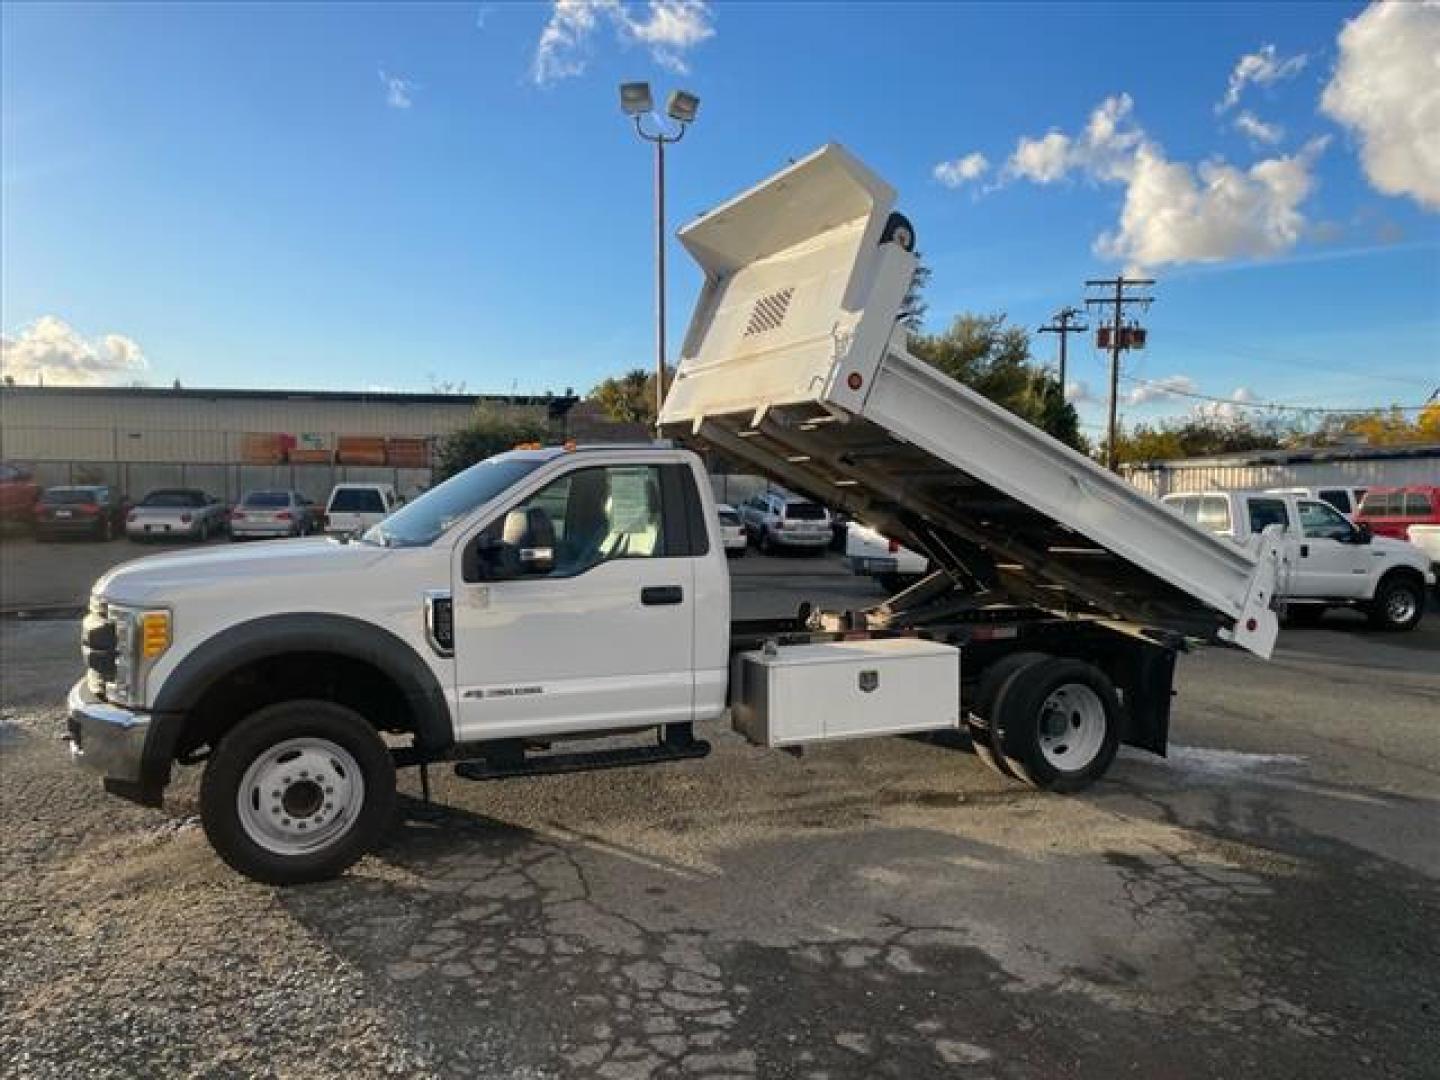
column 344, row 197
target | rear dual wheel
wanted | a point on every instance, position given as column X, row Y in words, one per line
column 1052, row 723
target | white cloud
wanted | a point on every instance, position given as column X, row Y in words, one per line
column 1077, row 392
column 1257, row 130
column 954, row 174
column 1152, row 390
column 1102, row 149
column 1043, row 160
column 668, row 29
column 1233, row 409
column 399, row 92
column 1261, row 68
column 1386, row 89
column 49, row 350
column 1176, row 214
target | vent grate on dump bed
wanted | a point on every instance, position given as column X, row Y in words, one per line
column 769, row 312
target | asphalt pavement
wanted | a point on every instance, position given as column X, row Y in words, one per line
column 1263, row 902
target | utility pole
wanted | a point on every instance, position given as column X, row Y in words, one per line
column 1120, row 337
column 1061, row 324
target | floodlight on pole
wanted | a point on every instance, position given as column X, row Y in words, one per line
column 682, row 107
column 635, row 99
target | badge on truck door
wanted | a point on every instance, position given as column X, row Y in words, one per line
column 869, row 680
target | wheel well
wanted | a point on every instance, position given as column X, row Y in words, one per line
column 269, row 680
column 1415, row 577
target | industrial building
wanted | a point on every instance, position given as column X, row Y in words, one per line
column 1335, row 466
column 140, row 438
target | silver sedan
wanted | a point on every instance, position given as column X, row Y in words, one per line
column 176, row 514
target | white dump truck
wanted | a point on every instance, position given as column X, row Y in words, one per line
column 547, row 598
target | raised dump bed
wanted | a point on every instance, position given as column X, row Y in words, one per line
column 795, row 362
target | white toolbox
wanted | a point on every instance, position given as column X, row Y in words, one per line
column 795, row 694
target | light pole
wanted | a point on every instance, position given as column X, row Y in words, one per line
column 636, row 103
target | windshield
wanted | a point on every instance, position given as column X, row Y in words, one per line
column 174, row 499
column 70, row 495
column 357, row 501
column 431, row 514
column 267, row 500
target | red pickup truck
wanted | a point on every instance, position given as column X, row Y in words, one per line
column 1390, row 511
column 18, row 494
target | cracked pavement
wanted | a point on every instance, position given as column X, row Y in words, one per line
column 1264, row 902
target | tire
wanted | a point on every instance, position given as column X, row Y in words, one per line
column 1399, row 603
column 106, row 530
column 994, row 685
column 898, row 230
column 1059, row 725
column 767, row 546
column 337, row 754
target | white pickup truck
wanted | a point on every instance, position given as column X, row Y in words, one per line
column 1330, row 561
column 547, row 597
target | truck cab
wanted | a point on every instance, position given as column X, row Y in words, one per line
column 1332, row 561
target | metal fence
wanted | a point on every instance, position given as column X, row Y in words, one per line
column 228, row 481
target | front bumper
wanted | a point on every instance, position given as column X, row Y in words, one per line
column 809, row 540
column 107, row 739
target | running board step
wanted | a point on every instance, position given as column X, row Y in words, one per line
column 567, row 763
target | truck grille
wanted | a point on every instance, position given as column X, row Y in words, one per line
column 98, row 646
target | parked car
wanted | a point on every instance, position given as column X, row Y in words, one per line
column 1333, row 562
column 353, row 508
column 890, row 563
column 775, row 521
column 18, row 495
column 94, row 510
column 273, row 514
column 732, row 531
column 1344, row 499
column 177, row 514
column 1391, row 511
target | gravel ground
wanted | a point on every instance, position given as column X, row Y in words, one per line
column 1264, row 902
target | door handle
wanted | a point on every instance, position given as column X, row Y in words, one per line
column 652, row 595
column 1304, row 551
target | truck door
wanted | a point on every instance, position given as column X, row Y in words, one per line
column 1333, row 564
column 574, row 609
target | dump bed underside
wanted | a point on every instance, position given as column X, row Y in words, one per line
column 989, row 539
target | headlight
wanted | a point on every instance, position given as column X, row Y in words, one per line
column 142, row 635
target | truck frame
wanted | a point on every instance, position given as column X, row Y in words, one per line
column 488, row 624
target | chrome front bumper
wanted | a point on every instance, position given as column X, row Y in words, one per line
column 104, row 737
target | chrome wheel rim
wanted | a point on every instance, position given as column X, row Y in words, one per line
column 1072, row 727
column 300, row 795
column 1400, row 606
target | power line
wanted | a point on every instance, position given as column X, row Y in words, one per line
column 1295, row 361
column 1276, row 405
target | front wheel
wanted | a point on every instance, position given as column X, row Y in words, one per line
column 297, row 792
column 1398, row 604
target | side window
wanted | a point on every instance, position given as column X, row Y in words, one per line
column 1214, row 513
column 1336, row 497
column 1417, row 504
column 1321, row 521
column 1265, row 512
column 1376, row 504
column 1189, row 507
column 585, row 518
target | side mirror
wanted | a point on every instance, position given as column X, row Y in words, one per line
column 484, row 560
column 537, row 560
column 1363, row 533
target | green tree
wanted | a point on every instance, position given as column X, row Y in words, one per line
column 490, row 431
column 994, row 360
column 629, row 399
column 1199, row 436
